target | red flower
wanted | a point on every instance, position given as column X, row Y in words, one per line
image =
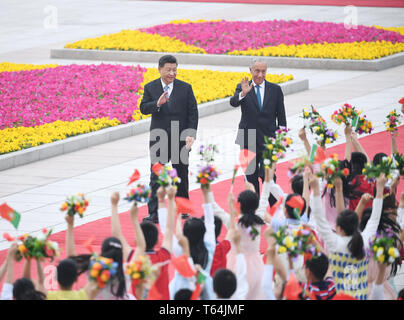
column 44, row 230
column 329, row 171
column 345, row 172
column 157, row 167
column 204, row 181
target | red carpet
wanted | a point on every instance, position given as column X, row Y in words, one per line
column 379, row 142
column 358, row 3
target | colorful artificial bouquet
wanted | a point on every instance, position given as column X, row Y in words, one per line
column 35, row 247
column 297, row 241
column 348, row 115
column 393, row 121
column 141, row 270
column 318, row 126
column 275, row 148
column 383, row 247
column 75, row 204
column 167, row 175
column 399, row 162
column 330, row 169
column 207, row 171
column 102, row 270
column 141, row 193
column 373, row 171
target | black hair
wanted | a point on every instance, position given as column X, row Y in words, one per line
column 358, row 161
column 67, row 272
column 167, row 59
column 385, row 223
column 24, row 289
column 224, row 283
column 401, row 294
column 348, row 190
column 318, row 266
column 111, row 248
column 378, row 158
column 249, row 202
column 349, row 222
column 297, row 184
column 289, row 209
column 194, row 230
column 150, row 233
column 183, row 294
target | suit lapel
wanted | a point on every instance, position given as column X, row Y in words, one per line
column 266, row 95
column 254, row 97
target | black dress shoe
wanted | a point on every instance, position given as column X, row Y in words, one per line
column 152, row 218
column 184, row 215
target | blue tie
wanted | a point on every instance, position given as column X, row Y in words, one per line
column 166, row 88
column 259, row 97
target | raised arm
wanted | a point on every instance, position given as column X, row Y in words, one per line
column 348, row 141
column 263, row 203
column 7, row 290
column 170, row 222
column 218, row 211
column 70, row 246
column 365, row 198
column 306, row 187
column 358, row 147
column 303, row 137
column 209, row 218
column 139, row 236
column 41, row 277
column 394, row 148
column 339, row 196
column 241, row 266
column 116, row 225
column 322, row 225
column 148, row 105
column 373, row 223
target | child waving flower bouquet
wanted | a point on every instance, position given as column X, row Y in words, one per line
column 102, row 270
column 75, row 204
column 275, row 148
column 318, row 126
column 330, row 169
column 347, row 114
column 207, row 171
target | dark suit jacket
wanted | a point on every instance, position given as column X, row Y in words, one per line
column 265, row 122
column 181, row 107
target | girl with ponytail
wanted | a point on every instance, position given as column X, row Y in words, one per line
column 347, row 247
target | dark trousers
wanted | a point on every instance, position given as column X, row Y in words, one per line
column 182, row 171
column 258, row 172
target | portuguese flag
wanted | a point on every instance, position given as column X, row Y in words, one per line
column 10, row 214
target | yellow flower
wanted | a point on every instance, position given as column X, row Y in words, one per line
column 381, row 258
column 274, row 158
column 136, row 275
column 392, row 252
column 282, row 249
column 270, row 146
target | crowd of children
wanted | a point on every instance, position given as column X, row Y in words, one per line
column 343, row 219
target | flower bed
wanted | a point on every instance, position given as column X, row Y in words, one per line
column 303, row 39
column 45, row 105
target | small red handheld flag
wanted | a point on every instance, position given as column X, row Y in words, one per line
column 184, row 205
column 134, row 177
column 183, row 267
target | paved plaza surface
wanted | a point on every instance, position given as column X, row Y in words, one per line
column 37, row 190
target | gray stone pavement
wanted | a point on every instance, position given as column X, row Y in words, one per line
column 37, row 189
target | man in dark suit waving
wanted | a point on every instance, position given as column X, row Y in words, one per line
column 262, row 113
column 173, row 107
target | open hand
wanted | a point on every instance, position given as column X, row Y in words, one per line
column 189, row 142
column 163, row 99
column 245, row 86
column 115, row 198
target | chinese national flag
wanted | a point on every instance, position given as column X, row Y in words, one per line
column 10, row 214
column 182, row 266
column 184, row 205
